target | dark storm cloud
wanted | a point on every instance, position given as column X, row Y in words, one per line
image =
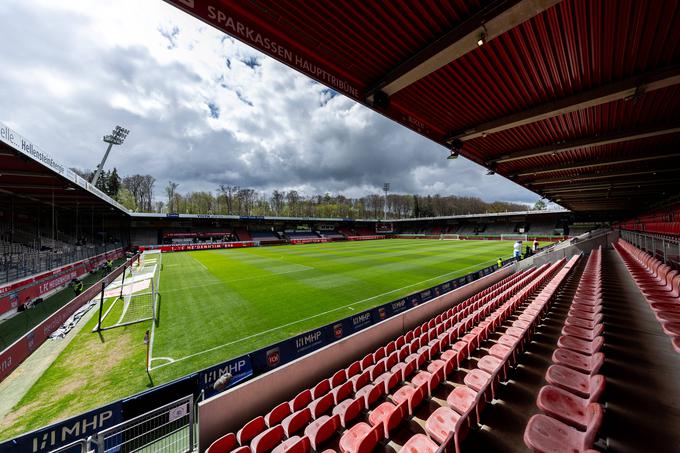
column 204, row 110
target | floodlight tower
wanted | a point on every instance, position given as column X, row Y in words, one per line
column 117, row 137
column 386, row 188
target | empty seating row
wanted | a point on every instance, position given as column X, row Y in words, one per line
column 466, row 402
column 659, row 284
column 398, row 376
column 572, row 415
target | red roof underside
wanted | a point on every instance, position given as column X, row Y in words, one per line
column 573, row 47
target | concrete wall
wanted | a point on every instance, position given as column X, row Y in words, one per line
column 228, row 411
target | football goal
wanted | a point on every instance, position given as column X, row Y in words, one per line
column 444, row 237
column 133, row 297
column 514, row 237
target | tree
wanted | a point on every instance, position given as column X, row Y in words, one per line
column 170, row 191
column 540, row 206
column 113, row 183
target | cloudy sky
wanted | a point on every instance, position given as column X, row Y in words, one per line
column 203, row 109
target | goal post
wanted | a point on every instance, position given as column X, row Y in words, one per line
column 444, row 237
column 515, row 237
column 134, row 297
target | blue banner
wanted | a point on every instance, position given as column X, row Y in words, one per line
column 67, row 431
column 209, row 379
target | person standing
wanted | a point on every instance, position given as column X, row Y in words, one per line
column 535, row 245
column 500, row 262
column 517, row 250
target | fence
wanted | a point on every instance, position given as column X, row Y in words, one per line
column 169, row 428
column 663, row 248
column 21, row 261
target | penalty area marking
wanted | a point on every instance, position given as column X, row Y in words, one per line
column 302, row 320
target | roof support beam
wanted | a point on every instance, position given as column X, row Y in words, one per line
column 609, row 186
column 591, row 164
column 588, row 142
column 541, row 182
column 632, row 88
column 489, row 23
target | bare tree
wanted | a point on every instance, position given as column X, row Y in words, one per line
column 170, row 191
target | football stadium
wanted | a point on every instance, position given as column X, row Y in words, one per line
column 388, row 322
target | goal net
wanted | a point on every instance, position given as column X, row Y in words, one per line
column 133, row 297
column 449, row 236
column 514, row 237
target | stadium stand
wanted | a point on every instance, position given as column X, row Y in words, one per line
column 660, row 285
column 243, row 234
column 368, row 401
column 268, row 236
column 302, row 235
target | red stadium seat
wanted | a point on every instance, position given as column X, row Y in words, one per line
column 545, row 434
column 371, row 393
column 583, row 385
column 296, row 421
column 295, row 444
column 322, row 429
column 267, row 440
column 301, row 400
column 224, row 444
column 321, row 389
column 349, row 409
column 414, row 396
column 589, row 364
column 250, row 430
column 341, row 392
column 320, row 405
column 338, row 378
column 581, row 346
column 276, row 415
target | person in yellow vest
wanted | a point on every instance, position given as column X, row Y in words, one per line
column 500, row 262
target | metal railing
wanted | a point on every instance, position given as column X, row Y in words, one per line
column 663, row 248
column 169, row 428
column 16, row 263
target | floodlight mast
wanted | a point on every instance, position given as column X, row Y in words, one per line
column 386, row 188
column 117, row 137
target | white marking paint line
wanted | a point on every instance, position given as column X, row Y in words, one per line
column 274, row 329
column 202, row 265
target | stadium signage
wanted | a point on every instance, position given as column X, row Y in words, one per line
column 238, row 28
column 67, row 431
column 308, row 340
column 17, row 142
column 240, row 369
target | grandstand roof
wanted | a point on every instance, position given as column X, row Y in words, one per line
column 576, row 100
column 32, row 175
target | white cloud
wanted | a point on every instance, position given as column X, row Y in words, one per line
column 203, row 109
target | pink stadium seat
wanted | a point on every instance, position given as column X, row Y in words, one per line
column 546, row 435
column 277, row 414
column 267, row 440
column 583, row 333
column 581, row 346
column 321, row 405
column 405, row 369
column 389, row 415
column 419, row 443
column 389, row 380
column 414, row 396
column 494, row 366
column 589, row 364
column 361, row 438
column 430, row 380
column 296, row 421
column 224, row 444
column 250, row 430
column 481, row 382
column 349, row 409
column 580, row 384
column 295, row 444
column 564, row 406
column 585, row 323
column 443, row 422
column 322, row 429
column 465, row 401
column 244, row 449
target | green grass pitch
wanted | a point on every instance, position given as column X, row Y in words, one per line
column 218, row 304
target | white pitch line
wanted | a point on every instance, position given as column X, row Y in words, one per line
column 204, row 267
column 312, row 317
